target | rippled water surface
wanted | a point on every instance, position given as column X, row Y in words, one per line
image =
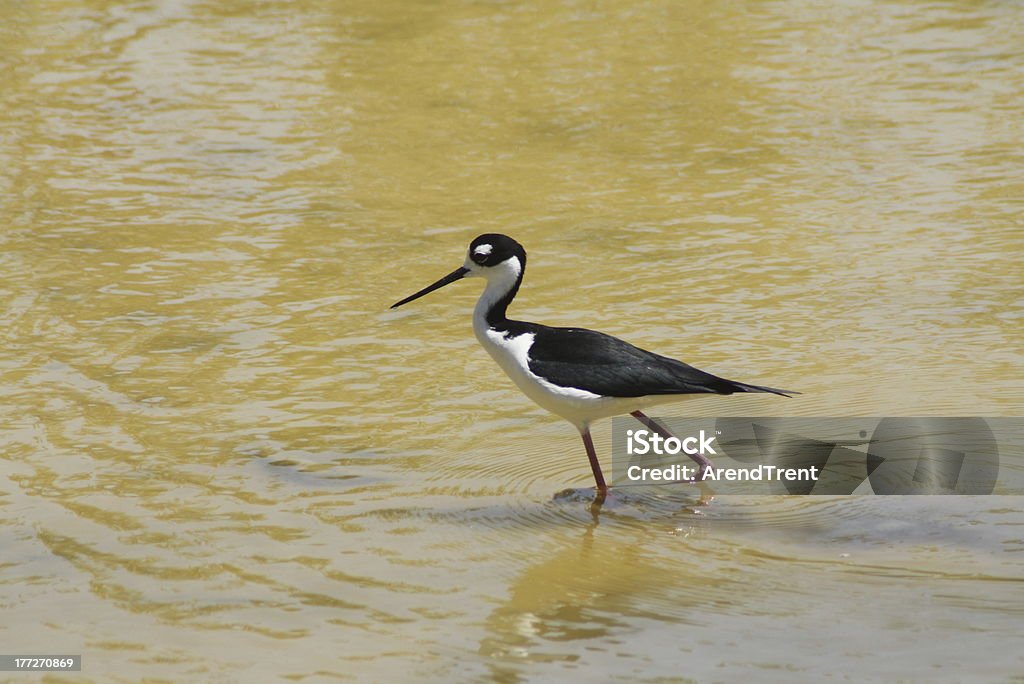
column 223, row 458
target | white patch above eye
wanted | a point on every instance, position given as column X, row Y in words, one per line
column 483, row 250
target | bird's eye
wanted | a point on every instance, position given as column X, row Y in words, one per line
column 480, row 254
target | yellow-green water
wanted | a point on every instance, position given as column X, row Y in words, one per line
column 223, row 458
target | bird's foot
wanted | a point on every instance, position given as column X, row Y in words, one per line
column 582, row 494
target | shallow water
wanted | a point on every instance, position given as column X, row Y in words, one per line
column 224, row 458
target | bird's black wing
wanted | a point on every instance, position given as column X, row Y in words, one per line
column 605, row 365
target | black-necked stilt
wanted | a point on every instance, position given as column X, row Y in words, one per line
column 579, row 374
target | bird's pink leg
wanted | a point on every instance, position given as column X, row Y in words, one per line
column 602, row 488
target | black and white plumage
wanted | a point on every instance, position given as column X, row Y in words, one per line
column 579, row 374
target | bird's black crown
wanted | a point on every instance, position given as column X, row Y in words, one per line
column 491, row 249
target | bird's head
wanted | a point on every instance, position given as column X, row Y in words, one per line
column 493, row 256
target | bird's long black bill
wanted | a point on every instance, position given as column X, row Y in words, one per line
column 457, row 274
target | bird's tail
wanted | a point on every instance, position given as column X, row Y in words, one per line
column 744, row 387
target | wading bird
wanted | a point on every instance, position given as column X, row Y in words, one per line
column 581, row 375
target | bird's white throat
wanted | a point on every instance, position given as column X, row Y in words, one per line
column 501, row 278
